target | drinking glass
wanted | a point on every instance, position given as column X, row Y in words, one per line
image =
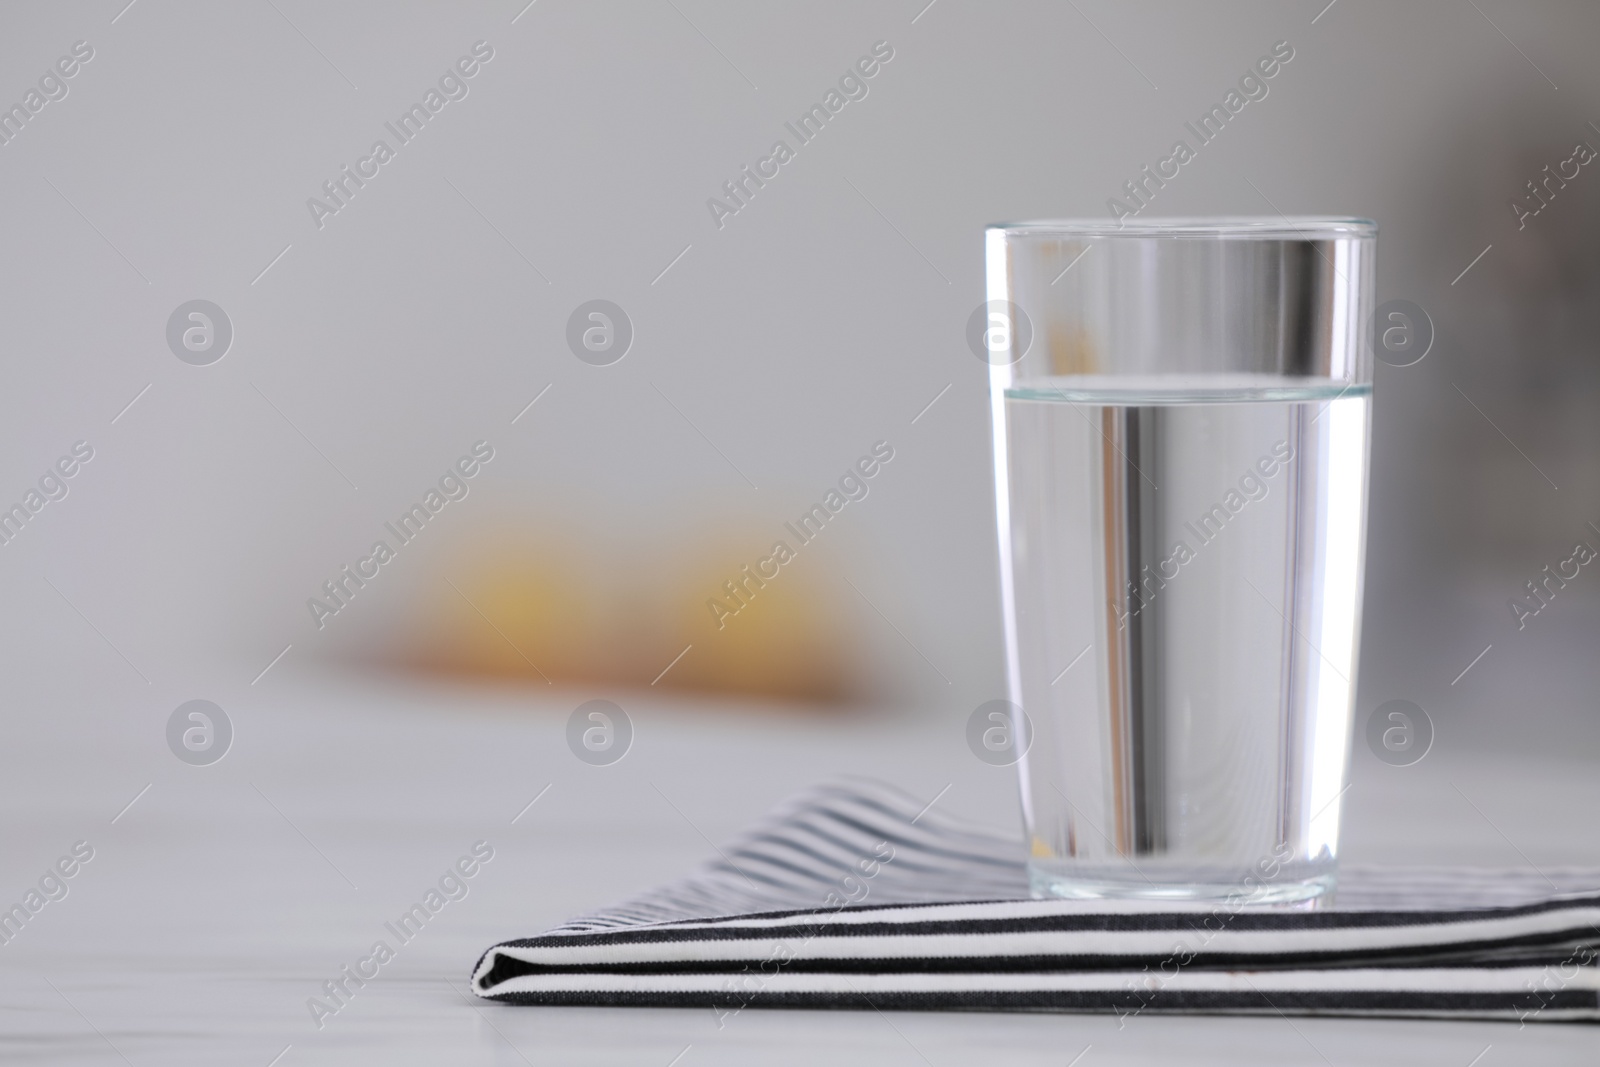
column 1180, row 413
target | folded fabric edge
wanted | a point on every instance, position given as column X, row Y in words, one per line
column 1518, row 993
column 1048, row 942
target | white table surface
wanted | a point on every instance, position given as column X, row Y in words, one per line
column 226, row 895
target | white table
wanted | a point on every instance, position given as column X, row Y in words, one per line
column 223, row 898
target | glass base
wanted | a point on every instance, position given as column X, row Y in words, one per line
column 1307, row 885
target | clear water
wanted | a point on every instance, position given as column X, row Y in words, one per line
column 1184, row 568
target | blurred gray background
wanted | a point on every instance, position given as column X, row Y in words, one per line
column 769, row 353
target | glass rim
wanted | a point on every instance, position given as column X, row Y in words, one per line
column 1246, row 227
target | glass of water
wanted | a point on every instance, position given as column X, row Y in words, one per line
column 1180, row 439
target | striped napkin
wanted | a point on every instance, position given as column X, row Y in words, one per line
column 857, row 895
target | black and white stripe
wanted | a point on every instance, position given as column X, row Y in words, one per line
column 854, row 895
